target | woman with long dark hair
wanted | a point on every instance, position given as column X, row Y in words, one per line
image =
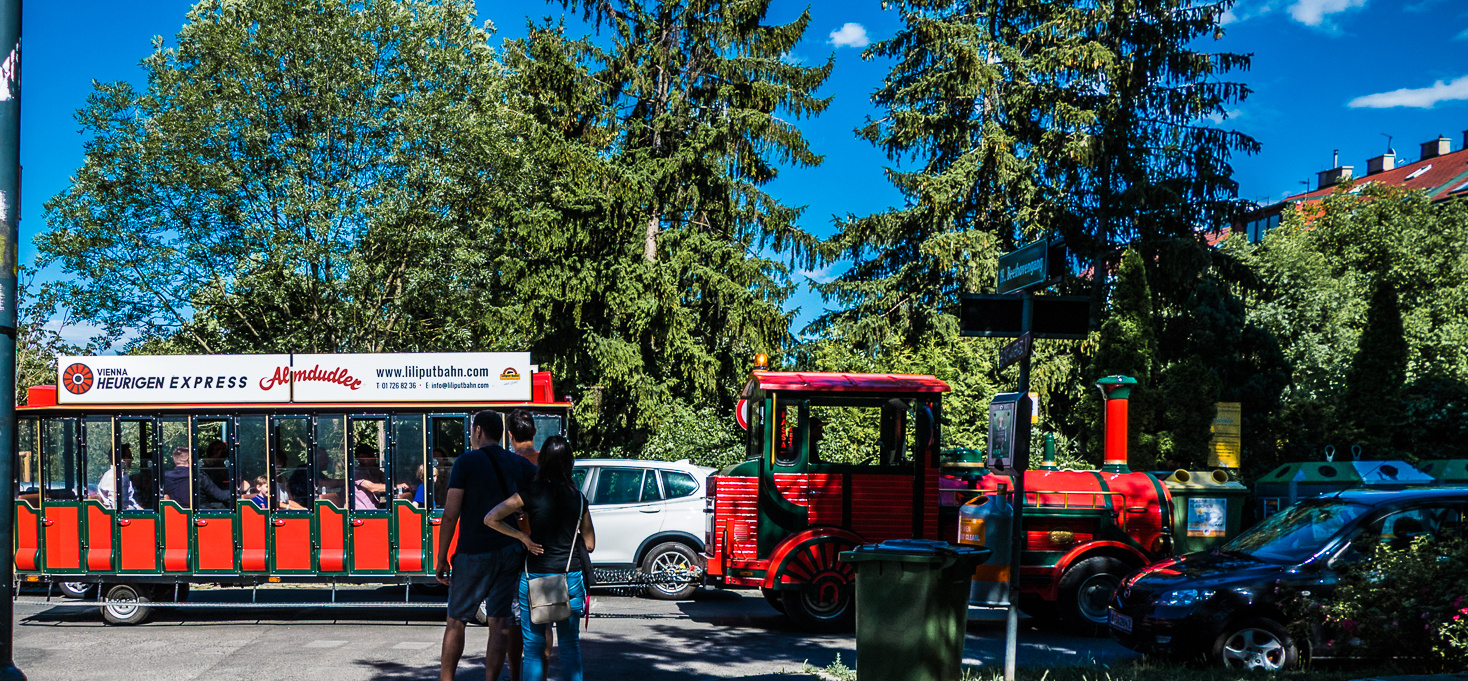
column 558, row 513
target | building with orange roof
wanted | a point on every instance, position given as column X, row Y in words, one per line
column 1439, row 171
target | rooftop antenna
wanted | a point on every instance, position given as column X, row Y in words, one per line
column 1388, row 143
column 1306, row 182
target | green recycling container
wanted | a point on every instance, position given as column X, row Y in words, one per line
column 1207, row 509
column 912, row 608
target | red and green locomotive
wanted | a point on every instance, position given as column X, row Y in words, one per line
column 836, row 460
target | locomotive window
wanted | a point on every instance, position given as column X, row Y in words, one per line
column 254, row 474
column 290, row 468
column 618, row 486
column 97, row 461
column 650, row 491
column 136, row 458
column 28, row 461
column 409, row 445
column 863, row 432
column 59, row 447
column 679, row 484
column 788, row 433
column 329, row 458
column 448, row 443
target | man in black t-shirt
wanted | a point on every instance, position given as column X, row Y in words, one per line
column 486, row 565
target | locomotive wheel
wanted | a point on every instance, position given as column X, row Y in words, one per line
column 133, row 607
column 1086, row 590
column 824, row 602
column 772, row 596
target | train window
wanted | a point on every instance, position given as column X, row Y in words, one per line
column 409, row 445
column 214, row 479
column 650, row 491
column 868, row 432
column 28, row 461
column 618, row 486
column 97, row 459
column 547, row 425
column 448, row 443
column 679, row 484
column 330, row 458
column 254, row 473
column 136, row 458
column 291, row 468
column 369, row 464
column 175, row 461
column 788, row 433
column 59, row 447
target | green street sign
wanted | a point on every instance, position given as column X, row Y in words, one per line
column 1025, row 267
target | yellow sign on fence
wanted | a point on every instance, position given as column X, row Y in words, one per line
column 1228, row 431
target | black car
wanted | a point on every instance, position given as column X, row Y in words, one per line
column 1225, row 604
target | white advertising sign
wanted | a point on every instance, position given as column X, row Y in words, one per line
column 171, row 379
column 412, row 377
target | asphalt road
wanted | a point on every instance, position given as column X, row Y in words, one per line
column 718, row 634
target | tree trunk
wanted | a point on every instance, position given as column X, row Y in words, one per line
column 650, row 241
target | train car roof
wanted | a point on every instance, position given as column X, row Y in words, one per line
column 800, row 381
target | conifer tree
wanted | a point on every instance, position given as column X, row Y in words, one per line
column 661, row 286
column 1372, row 403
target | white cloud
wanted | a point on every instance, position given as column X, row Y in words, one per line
column 850, row 35
column 1314, row 12
column 1421, row 98
column 1462, row 35
column 824, row 275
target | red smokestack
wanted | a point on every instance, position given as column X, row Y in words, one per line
column 1116, row 390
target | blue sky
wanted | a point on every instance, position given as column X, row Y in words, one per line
column 1327, row 75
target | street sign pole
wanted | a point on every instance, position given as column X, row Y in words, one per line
column 1016, row 534
column 9, row 235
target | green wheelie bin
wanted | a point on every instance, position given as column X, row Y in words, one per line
column 912, row 608
column 1207, row 509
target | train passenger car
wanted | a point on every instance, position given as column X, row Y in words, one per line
column 143, row 475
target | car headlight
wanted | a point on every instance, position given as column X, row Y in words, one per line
column 1182, row 598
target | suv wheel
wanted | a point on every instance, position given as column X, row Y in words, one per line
column 670, row 558
column 1256, row 644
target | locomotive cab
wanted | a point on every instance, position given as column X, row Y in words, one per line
column 833, row 461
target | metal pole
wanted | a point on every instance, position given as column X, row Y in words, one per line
column 1017, row 535
column 10, row 12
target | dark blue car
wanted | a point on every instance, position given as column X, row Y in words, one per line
column 1224, row 604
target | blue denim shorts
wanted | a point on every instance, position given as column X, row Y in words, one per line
column 490, row 578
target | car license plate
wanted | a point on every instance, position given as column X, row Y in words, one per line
column 1120, row 622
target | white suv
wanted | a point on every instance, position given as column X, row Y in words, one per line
column 648, row 514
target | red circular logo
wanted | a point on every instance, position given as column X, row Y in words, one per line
column 77, row 379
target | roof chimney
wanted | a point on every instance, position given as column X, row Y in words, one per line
column 1381, row 163
column 1436, row 148
column 1465, row 139
column 1334, row 176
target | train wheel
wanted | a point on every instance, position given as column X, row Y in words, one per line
column 74, row 589
column 824, row 602
column 772, row 597
column 131, row 606
column 1086, row 590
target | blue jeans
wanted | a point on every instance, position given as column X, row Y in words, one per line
column 533, row 666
